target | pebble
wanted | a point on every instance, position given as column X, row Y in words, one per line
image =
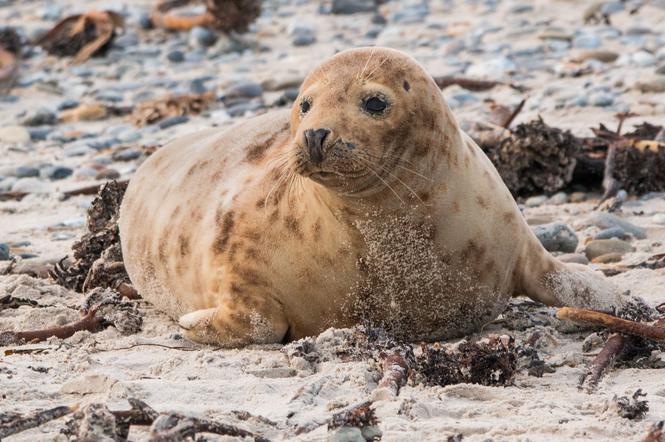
column 535, row 201
column 346, row 434
column 176, row 56
column 247, row 89
column 40, row 117
column 606, row 220
column 607, row 258
column 558, row 198
column 30, row 185
column 556, row 237
column 77, row 151
column 659, row 218
column 643, row 59
column 39, row 133
column 107, row 174
column 4, row 252
column 492, row 68
column 604, row 55
column 126, row 155
column 14, row 134
column 26, row 171
column 587, row 41
column 202, row 37
column 612, row 232
column 303, row 40
column 57, row 172
column 172, row 121
column 352, row 6
column 601, row 99
column 576, row 258
column 599, row 247
column 654, row 85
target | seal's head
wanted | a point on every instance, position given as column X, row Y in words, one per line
column 363, row 113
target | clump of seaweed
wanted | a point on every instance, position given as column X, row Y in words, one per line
column 632, row 408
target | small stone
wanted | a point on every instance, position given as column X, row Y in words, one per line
column 492, row 68
column 14, row 134
column 39, row 133
column 303, row 40
column 274, row 373
column 126, row 155
column 352, row 6
column 535, row 201
column 240, row 109
column 599, row 247
column 556, row 237
column 26, row 171
column 606, row 220
column 30, row 185
column 4, row 252
column 607, row 258
column 587, row 41
column 346, row 434
column 654, row 85
column 558, row 198
column 77, row 151
column 576, row 258
column 144, row 21
column 601, row 99
column 175, row 56
column 202, row 37
column 173, row 121
column 604, row 55
column 107, row 174
column 129, row 135
column 378, row 19
column 644, row 59
column 248, row 89
column 659, row 218
column 612, row 232
column 41, row 117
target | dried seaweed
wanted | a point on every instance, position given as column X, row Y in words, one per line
column 153, row 111
column 490, row 361
column 535, row 158
column 358, row 416
column 82, row 35
column 223, row 15
column 632, row 408
column 9, row 302
column 98, row 257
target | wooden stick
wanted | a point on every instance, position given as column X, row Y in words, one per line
column 506, row 124
column 656, row 434
column 472, row 84
column 584, row 316
column 22, row 423
column 604, row 360
column 88, row 322
column 177, row 427
column 395, row 371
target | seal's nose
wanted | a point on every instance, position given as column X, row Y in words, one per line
column 314, row 140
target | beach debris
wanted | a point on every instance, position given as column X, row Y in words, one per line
column 612, row 323
column 102, row 308
column 360, row 417
column 96, row 422
column 535, row 158
column 10, row 52
column 223, row 15
column 98, row 255
column 10, row 302
column 602, row 362
column 473, row 84
column 489, row 361
column 12, row 423
column 82, row 35
column 91, row 112
column 154, row 111
column 396, row 371
column 632, row 408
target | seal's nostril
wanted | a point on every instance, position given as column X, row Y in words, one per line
column 314, row 140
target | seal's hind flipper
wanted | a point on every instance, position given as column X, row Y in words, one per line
column 235, row 325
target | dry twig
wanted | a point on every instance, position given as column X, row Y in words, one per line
column 15, row 423
column 603, row 361
column 612, row 323
column 90, row 322
column 472, row 84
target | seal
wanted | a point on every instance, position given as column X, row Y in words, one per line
column 364, row 202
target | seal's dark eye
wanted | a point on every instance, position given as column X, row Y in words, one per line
column 375, row 105
column 305, row 105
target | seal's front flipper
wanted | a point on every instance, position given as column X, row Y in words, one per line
column 234, row 325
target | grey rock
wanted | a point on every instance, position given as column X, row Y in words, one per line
column 248, row 89
column 4, row 252
column 612, row 232
column 659, row 218
column 30, row 185
column 556, row 237
column 57, row 172
column 346, row 434
column 173, row 121
column 144, row 21
column 68, row 103
column 606, row 220
column 601, row 99
column 378, row 19
column 176, row 56
column 535, row 201
column 600, row 247
column 352, row 6
column 77, row 150
column 26, row 171
column 587, row 41
column 6, row 184
column 40, row 117
column 202, row 37
column 303, row 40
column 39, row 133
column 644, row 59
column 129, row 135
column 240, row 109
column 126, row 155
column 558, row 198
